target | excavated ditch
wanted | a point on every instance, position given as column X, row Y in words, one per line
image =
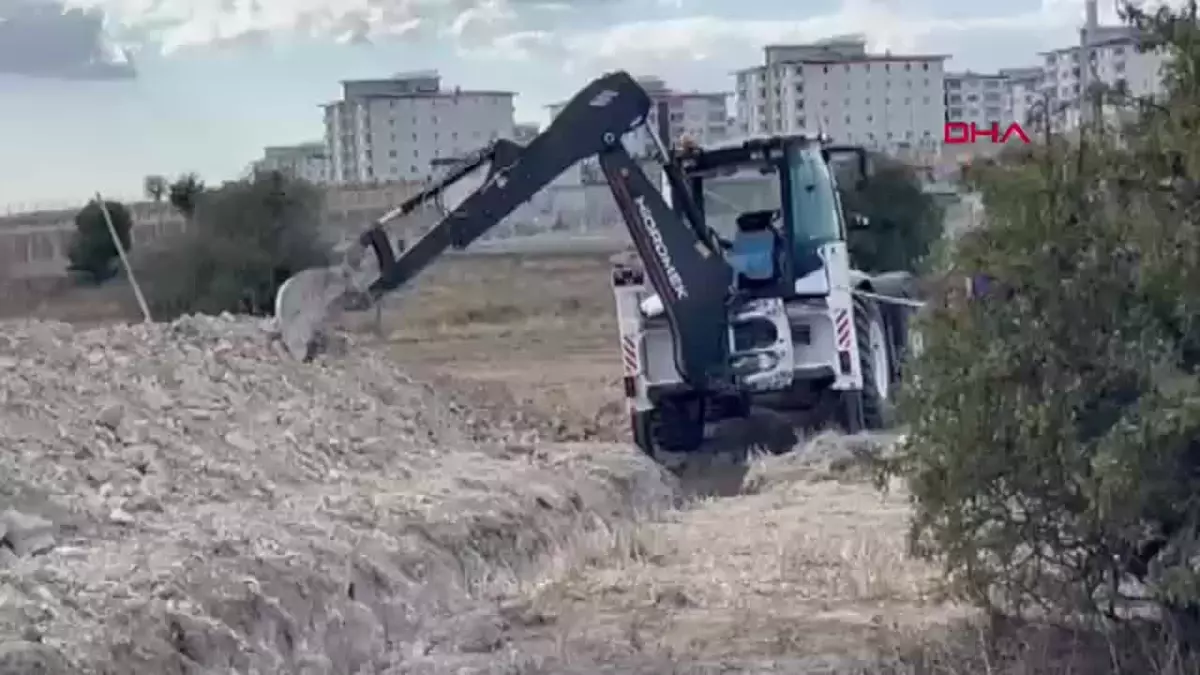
column 184, row 498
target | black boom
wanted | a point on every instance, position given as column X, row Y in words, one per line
column 691, row 277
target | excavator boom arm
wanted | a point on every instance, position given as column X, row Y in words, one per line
column 691, row 277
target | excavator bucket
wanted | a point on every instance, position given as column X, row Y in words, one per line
column 305, row 304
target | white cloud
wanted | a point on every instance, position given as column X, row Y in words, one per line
column 721, row 43
column 527, row 29
column 654, row 45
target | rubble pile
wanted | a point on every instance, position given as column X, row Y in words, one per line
column 184, row 497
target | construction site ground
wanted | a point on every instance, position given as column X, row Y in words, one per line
column 208, row 512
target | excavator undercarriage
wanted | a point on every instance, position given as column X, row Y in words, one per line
column 727, row 306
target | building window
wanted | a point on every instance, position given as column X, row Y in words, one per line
column 925, row 66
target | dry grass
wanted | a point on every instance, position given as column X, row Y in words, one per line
column 803, row 569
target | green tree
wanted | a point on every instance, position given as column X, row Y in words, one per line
column 92, row 256
column 1054, row 447
column 184, row 194
column 246, row 239
column 905, row 221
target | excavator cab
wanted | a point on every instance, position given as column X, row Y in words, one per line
column 773, row 201
column 798, row 336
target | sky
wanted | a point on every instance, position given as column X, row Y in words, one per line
column 96, row 94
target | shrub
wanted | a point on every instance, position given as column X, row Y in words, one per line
column 905, row 221
column 243, row 241
column 92, row 256
column 1054, row 450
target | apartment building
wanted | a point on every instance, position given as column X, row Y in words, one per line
column 986, row 99
column 701, row 116
column 394, row 129
column 889, row 102
column 978, row 98
column 307, row 161
column 1024, row 86
column 1116, row 62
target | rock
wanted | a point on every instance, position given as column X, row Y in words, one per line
column 121, row 517
column 140, row 457
column 110, row 417
column 21, row 657
column 240, row 442
column 144, row 501
column 192, row 463
column 27, row 534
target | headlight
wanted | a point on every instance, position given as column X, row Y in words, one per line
column 652, row 306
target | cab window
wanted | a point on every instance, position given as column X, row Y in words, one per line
column 814, row 213
column 728, row 196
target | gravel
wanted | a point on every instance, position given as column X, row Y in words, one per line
column 185, row 498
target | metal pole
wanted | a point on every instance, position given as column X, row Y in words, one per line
column 116, row 239
column 1087, row 112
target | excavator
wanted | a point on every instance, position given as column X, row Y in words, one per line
column 711, row 323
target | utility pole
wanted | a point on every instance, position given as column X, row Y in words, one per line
column 1087, row 35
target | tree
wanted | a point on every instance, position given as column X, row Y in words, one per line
column 184, row 194
column 1054, row 445
column 905, row 221
column 246, row 239
column 92, row 256
column 156, row 188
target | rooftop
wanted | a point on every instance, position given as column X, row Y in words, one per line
column 980, row 76
column 1105, row 36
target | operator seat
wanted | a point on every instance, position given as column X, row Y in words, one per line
column 754, row 254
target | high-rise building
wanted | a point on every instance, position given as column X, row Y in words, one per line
column 888, row 102
column 393, row 129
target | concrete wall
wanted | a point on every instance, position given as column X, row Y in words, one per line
column 34, row 245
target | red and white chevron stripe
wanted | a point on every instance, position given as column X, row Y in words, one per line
column 843, row 328
column 630, row 354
